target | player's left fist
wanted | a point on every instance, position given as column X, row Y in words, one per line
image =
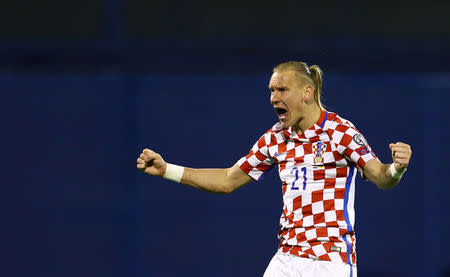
column 401, row 154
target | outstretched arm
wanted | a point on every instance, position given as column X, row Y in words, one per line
column 221, row 180
column 386, row 176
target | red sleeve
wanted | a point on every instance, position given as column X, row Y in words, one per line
column 258, row 160
column 352, row 145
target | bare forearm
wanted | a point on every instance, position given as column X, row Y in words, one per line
column 384, row 179
column 381, row 175
column 220, row 180
column 212, row 180
column 386, row 176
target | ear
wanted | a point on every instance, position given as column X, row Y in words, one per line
column 308, row 94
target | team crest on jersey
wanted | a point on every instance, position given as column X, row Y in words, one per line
column 319, row 149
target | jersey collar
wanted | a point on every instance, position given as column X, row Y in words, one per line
column 311, row 132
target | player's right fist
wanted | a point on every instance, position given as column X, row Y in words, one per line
column 151, row 162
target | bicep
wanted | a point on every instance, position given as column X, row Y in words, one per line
column 236, row 178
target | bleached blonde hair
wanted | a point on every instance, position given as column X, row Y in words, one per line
column 312, row 74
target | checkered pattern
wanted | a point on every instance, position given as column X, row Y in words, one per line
column 317, row 170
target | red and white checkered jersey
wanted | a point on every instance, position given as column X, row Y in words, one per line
column 317, row 170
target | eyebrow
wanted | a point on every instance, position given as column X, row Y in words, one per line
column 278, row 87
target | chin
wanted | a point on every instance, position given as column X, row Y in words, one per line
column 285, row 124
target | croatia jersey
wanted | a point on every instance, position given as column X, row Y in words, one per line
column 317, row 170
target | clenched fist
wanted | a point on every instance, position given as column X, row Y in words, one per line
column 151, row 162
column 401, row 153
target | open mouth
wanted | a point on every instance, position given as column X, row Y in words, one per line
column 282, row 113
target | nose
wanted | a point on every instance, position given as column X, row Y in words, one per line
column 274, row 97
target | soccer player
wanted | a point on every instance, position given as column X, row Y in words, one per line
column 317, row 153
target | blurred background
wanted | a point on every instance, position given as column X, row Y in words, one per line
column 86, row 85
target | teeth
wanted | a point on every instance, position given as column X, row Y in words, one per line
column 282, row 113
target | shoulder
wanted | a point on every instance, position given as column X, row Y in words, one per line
column 337, row 123
column 274, row 134
column 341, row 130
column 276, row 129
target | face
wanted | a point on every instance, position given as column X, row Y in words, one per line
column 289, row 97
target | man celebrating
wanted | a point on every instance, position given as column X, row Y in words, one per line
column 317, row 153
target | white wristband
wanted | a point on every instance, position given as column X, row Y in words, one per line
column 174, row 172
column 394, row 173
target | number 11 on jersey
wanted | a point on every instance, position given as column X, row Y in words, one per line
column 296, row 178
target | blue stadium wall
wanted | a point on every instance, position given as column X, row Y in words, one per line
column 73, row 204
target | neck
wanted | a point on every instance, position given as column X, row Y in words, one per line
column 310, row 117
